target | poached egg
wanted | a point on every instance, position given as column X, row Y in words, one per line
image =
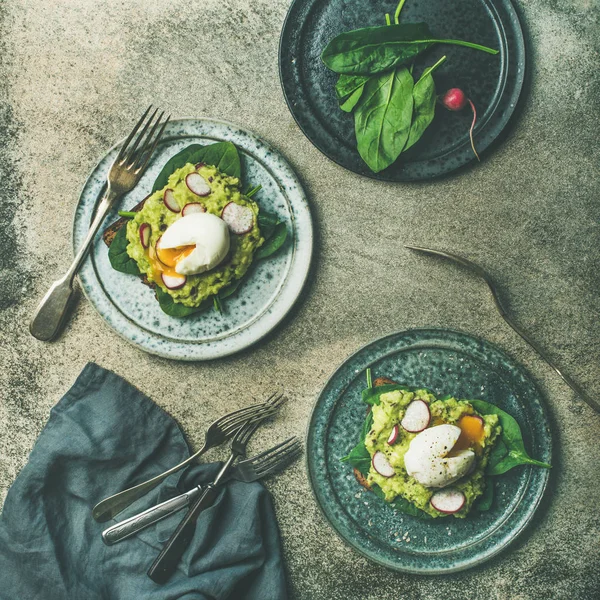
column 194, row 244
column 430, row 458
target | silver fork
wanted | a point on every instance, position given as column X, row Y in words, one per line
column 215, row 435
column 123, row 176
column 166, row 562
column 252, row 469
column 475, row 268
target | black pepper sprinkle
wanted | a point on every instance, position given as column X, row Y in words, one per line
column 210, row 180
column 162, row 227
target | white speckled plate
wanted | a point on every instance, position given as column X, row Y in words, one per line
column 271, row 289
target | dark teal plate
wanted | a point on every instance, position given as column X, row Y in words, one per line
column 493, row 82
column 447, row 362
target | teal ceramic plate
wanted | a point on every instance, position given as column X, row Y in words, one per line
column 266, row 295
column 448, row 362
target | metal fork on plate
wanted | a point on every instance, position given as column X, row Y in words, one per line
column 252, row 469
column 216, row 434
column 123, row 176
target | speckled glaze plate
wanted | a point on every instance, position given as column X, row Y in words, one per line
column 493, row 82
column 448, row 362
column 270, row 290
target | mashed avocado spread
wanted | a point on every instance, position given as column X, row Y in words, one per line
column 224, row 189
column 390, row 411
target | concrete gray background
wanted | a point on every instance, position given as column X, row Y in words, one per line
column 76, row 73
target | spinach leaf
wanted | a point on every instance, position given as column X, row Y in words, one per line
column 373, row 50
column 512, row 439
column 485, row 501
column 117, row 254
column 175, row 309
column 499, row 451
column 267, row 223
column 383, row 118
column 424, row 100
column 376, row 49
column 359, row 456
column 223, row 155
column 351, row 102
column 231, row 288
column 348, row 84
column 275, row 241
column 176, row 161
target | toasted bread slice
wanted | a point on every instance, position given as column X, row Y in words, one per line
column 362, row 480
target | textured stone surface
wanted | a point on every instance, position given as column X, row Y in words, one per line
column 74, row 75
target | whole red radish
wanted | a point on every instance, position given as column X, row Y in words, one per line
column 455, row 100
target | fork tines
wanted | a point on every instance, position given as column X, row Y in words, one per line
column 134, row 159
column 276, row 457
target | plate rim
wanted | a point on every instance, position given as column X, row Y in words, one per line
column 304, row 260
column 521, row 51
column 432, row 571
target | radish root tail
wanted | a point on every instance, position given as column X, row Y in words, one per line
column 473, row 127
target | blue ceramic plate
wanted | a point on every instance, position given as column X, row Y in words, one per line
column 447, row 362
column 493, row 82
column 268, row 293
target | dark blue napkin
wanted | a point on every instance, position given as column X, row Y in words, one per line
column 104, row 436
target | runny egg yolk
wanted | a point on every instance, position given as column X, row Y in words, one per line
column 164, row 260
column 471, row 433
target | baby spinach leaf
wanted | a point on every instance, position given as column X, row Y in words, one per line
column 182, row 158
column 175, row 309
column 424, row 100
column 348, row 84
column 267, row 223
column 383, row 118
column 359, row 456
column 275, row 241
column 223, row 155
column 485, row 501
column 499, row 451
column 351, row 102
column 512, row 439
column 117, row 254
column 373, row 50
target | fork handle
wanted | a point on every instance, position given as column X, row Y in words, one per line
column 125, row 529
column 113, row 505
column 50, row 314
column 167, row 561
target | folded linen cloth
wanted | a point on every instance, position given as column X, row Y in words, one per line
column 104, row 436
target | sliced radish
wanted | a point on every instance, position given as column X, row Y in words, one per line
column 193, row 207
column 381, row 464
column 197, row 184
column 449, row 500
column 170, row 202
column 394, row 435
column 417, row 416
column 240, row 219
column 173, row 282
column 145, row 231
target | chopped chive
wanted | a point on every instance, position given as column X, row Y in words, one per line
column 127, row 214
column 217, row 304
column 369, row 378
column 253, row 190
